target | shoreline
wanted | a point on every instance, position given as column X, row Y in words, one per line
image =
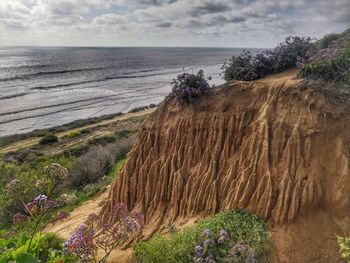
column 77, row 124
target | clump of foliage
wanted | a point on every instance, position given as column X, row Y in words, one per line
column 212, row 247
column 48, row 138
column 34, row 178
column 344, row 247
column 286, row 55
column 87, row 239
column 44, row 248
column 187, row 86
column 85, row 130
column 97, row 162
column 38, row 209
column 329, row 70
column 326, row 40
column 241, row 227
column 73, row 134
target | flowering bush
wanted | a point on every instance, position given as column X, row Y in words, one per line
column 189, row 86
column 230, row 228
column 37, row 210
column 213, row 247
column 87, row 238
column 286, row 55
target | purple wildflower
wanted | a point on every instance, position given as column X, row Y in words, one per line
column 81, row 243
column 199, row 250
column 223, row 233
column 206, row 232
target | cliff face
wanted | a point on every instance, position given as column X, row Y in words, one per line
column 273, row 147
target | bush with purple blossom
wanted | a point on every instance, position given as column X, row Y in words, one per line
column 212, row 247
column 208, row 241
column 286, row 55
column 187, row 86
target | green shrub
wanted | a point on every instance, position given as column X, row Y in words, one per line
column 48, row 138
column 326, row 40
column 242, row 227
column 329, row 70
column 85, row 130
column 73, row 134
column 344, row 247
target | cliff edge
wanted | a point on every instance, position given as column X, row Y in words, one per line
column 273, row 146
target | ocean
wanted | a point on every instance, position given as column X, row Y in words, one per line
column 43, row 87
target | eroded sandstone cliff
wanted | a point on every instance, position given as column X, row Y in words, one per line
column 273, row 146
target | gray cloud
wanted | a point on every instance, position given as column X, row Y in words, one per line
column 152, row 22
column 165, row 24
column 208, row 8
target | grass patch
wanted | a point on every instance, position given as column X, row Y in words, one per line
column 243, row 227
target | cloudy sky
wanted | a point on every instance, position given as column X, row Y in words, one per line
column 224, row 23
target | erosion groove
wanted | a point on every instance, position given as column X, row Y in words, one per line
column 273, row 147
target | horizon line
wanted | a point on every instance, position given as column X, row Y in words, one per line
column 87, row 46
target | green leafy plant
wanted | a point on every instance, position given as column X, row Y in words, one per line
column 329, row 70
column 43, row 248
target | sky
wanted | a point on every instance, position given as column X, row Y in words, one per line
column 199, row 23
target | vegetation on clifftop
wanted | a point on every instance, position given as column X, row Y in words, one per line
column 250, row 67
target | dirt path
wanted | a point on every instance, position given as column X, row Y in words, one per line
column 65, row 227
column 60, row 147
